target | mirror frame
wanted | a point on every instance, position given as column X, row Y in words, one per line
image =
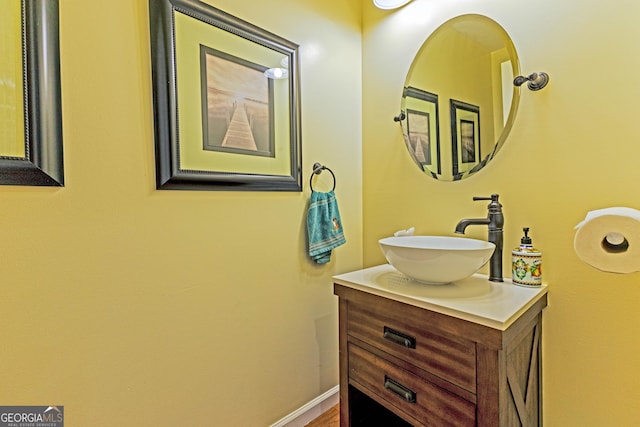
column 43, row 161
column 499, row 140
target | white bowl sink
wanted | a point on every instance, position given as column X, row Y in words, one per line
column 436, row 260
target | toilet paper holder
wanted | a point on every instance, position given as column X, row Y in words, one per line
column 615, row 243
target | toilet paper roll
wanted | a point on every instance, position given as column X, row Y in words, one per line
column 609, row 240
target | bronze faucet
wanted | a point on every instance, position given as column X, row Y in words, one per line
column 495, row 222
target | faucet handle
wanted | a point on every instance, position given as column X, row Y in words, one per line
column 494, row 206
column 493, row 198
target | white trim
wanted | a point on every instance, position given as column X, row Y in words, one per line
column 312, row 410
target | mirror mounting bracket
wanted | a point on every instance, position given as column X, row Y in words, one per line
column 400, row 117
column 536, row 81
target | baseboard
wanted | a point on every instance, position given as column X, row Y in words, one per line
column 312, row 410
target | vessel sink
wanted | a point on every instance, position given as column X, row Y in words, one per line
column 436, row 260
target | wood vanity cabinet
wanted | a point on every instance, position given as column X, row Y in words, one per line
column 405, row 365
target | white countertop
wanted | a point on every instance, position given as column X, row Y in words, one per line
column 476, row 299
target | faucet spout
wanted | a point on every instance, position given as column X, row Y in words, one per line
column 463, row 224
column 494, row 222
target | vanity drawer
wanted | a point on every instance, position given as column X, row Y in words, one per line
column 395, row 332
column 418, row 398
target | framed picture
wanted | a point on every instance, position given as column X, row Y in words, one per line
column 422, row 134
column 226, row 101
column 465, row 137
column 30, row 101
column 250, row 130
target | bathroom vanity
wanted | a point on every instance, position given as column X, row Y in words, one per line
column 462, row 354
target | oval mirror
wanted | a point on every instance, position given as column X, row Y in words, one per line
column 459, row 101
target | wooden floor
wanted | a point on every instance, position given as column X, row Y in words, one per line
column 330, row 418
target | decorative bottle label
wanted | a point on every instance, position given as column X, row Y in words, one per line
column 526, row 267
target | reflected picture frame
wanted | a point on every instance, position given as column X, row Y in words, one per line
column 42, row 163
column 423, row 128
column 465, row 138
column 192, row 152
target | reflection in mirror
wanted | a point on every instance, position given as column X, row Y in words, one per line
column 459, row 102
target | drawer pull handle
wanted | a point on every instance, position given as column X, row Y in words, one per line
column 399, row 338
column 400, row 390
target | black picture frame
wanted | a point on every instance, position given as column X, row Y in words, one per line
column 465, row 138
column 172, row 172
column 423, row 128
column 43, row 163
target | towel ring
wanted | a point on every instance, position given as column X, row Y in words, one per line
column 317, row 169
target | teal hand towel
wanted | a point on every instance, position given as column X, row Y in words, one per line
column 324, row 226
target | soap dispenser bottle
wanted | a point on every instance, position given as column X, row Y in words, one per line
column 526, row 263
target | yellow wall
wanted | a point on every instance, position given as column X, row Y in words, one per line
column 574, row 148
column 200, row 308
column 137, row 307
